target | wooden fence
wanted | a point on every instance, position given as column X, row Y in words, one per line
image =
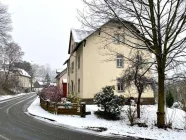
column 65, row 109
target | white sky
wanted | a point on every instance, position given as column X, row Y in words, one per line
column 42, row 28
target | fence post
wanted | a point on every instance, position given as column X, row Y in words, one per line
column 55, row 108
column 47, row 105
column 83, row 109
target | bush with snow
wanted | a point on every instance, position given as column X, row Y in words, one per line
column 73, row 98
column 110, row 103
column 178, row 105
column 51, row 93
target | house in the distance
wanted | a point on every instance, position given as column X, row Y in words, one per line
column 61, row 81
column 38, row 86
column 24, row 79
column 94, row 63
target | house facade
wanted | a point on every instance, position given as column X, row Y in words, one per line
column 93, row 62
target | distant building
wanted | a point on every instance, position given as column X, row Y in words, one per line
column 38, row 86
column 61, row 81
column 24, row 79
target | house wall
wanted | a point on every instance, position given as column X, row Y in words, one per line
column 72, row 76
column 24, row 82
column 77, row 72
column 99, row 64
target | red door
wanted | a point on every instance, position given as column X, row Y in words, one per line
column 64, row 89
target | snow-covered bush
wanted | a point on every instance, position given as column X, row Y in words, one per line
column 51, row 93
column 110, row 103
column 178, row 105
column 131, row 114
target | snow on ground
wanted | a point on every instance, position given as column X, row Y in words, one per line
column 4, row 97
column 121, row 127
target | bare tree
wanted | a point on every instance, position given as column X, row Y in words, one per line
column 5, row 24
column 160, row 24
column 138, row 75
column 12, row 54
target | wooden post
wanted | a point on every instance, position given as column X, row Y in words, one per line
column 55, row 108
column 47, row 105
column 83, row 109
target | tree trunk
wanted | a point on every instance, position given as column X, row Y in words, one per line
column 161, row 99
column 138, row 106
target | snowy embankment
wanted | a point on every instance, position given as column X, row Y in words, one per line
column 5, row 97
column 121, row 127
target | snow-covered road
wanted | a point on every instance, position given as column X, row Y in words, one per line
column 120, row 127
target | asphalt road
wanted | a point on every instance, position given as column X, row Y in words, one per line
column 15, row 124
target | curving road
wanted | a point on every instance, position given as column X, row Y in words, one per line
column 15, row 124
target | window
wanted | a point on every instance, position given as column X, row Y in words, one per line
column 122, row 38
column 72, row 86
column 78, row 85
column 78, row 62
column 72, row 67
column 119, row 61
column 119, row 38
column 138, row 58
column 119, row 84
column 116, row 38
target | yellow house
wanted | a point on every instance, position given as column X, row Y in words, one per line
column 93, row 62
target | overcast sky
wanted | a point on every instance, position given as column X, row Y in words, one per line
column 42, row 28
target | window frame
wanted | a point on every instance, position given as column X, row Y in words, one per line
column 79, row 85
column 120, row 85
column 120, row 61
column 119, row 38
column 122, row 38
